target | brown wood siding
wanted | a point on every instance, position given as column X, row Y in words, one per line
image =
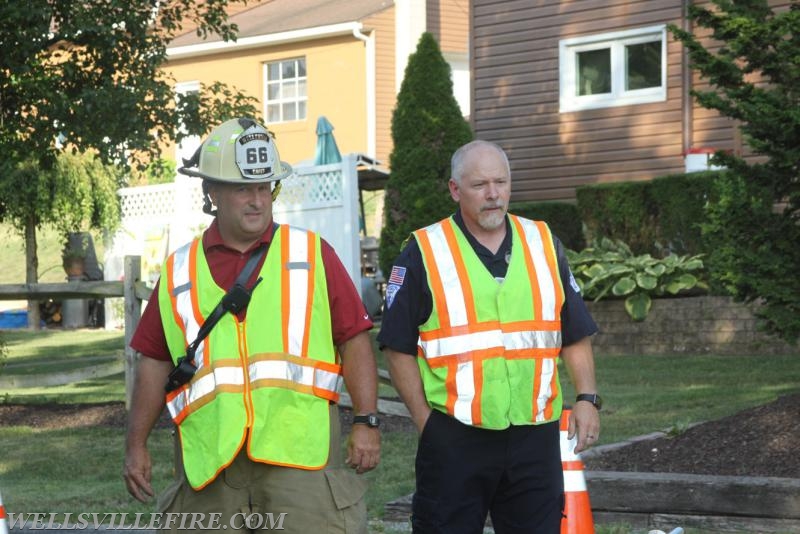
column 515, row 98
column 385, row 96
column 448, row 21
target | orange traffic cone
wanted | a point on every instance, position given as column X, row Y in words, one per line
column 577, row 510
column 3, row 520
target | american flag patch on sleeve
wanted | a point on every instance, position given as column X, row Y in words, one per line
column 397, row 275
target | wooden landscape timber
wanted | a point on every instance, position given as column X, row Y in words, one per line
column 719, row 503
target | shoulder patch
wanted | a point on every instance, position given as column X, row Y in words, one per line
column 391, row 291
column 397, row 275
column 574, row 283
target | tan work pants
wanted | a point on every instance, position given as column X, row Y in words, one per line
column 254, row 497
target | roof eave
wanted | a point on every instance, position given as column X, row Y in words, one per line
column 304, row 34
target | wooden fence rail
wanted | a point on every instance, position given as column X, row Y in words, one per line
column 132, row 289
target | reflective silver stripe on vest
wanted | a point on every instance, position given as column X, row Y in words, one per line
column 205, row 385
column 302, row 375
column 181, row 279
column 465, row 385
column 547, row 289
column 459, row 344
column 298, row 289
column 547, row 368
column 525, row 339
column 446, row 264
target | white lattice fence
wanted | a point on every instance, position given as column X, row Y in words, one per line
column 158, row 219
column 312, row 190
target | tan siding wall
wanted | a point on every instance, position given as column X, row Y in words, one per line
column 385, row 96
column 448, row 21
column 336, row 86
column 515, row 55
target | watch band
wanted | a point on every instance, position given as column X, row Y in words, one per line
column 594, row 398
column 370, row 419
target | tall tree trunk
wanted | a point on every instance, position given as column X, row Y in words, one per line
column 32, row 270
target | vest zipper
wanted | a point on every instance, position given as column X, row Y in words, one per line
column 244, row 357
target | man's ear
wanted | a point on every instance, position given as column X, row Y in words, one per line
column 454, row 194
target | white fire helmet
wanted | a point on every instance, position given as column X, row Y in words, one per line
column 237, row 151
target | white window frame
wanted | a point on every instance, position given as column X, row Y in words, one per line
column 615, row 41
column 281, row 101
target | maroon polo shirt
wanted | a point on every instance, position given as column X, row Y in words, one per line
column 348, row 315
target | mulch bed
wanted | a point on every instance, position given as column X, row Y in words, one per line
column 756, row 442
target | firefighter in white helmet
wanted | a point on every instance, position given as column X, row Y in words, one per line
column 253, row 370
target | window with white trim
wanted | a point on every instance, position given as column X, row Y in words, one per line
column 613, row 69
column 285, row 95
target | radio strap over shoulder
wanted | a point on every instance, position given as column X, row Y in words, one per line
column 235, row 300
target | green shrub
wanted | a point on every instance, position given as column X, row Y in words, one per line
column 680, row 201
column 654, row 217
column 756, row 256
column 562, row 217
column 623, row 210
column 607, row 268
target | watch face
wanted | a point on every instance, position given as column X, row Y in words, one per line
column 371, row 420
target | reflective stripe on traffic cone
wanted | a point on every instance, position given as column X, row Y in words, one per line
column 3, row 519
column 577, row 510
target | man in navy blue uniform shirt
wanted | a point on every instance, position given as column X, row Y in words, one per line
column 473, row 357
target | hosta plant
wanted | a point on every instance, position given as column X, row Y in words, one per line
column 608, row 269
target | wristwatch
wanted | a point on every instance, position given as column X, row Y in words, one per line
column 371, row 420
column 594, row 398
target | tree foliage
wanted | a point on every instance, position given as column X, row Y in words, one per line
column 76, row 194
column 427, row 127
column 89, row 73
column 86, row 77
column 753, row 222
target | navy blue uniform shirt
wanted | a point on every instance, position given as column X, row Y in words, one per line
column 409, row 302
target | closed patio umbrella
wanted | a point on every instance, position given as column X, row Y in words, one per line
column 326, row 151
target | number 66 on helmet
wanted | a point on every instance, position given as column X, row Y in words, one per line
column 238, row 151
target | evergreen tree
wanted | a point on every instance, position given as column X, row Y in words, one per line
column 754, row 228
column 427, row 127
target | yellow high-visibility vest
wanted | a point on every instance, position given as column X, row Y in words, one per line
column 266, row 381
column 488, row 352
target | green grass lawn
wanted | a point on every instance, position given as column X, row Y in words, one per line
column 79, row 470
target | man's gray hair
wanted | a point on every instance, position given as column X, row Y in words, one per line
column 457, row 161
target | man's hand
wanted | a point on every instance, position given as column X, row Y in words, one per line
column 137, row 472
column 363, row 448
column 147, row 404
column 584, row 421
